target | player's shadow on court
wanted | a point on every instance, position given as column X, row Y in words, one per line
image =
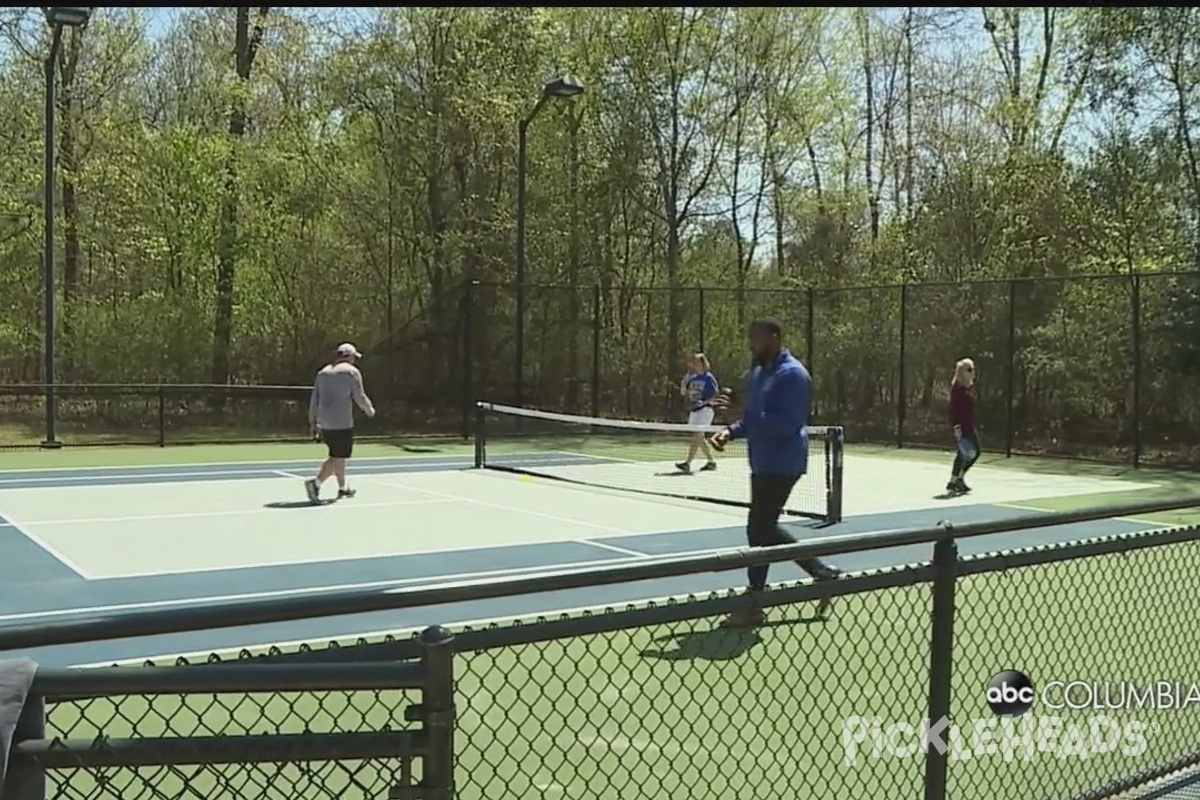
column 948, row 495
column 298, row 504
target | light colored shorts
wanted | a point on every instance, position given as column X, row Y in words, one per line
column 702, row 416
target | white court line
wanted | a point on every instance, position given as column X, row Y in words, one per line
column 501, row 507
column 42, row 543
column 435, row 580
column 234, row 470
column 263, row 464
column 606, row 546
column 150, row 477
column 230, row 513
column 1134, row 520
column 284, row 474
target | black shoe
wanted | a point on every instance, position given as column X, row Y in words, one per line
column 345, row 493
column 962, row 486
column 952, row 485
column 313, row 490
column 709, row 467
column 683, row 466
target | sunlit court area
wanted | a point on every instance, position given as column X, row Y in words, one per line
column 681, row 403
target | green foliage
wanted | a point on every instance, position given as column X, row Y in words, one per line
column 759, row 149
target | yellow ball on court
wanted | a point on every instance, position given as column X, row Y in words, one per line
column 528, row 478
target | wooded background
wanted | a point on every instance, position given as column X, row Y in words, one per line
column 241, row 189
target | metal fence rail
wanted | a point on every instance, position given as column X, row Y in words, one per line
column 658, row 700
column 57, row 734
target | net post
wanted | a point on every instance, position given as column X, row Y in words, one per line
column 836, row 449
column 480, row 436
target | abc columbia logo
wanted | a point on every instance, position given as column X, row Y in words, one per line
column 1010, row 693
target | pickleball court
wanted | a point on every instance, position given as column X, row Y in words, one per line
column 102, row 540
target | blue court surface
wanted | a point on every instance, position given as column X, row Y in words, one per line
column 102, row 541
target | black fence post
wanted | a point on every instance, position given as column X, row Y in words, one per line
column 701, row 320
column 809, row 352
column 902, row 399
column 1136, row 324
column 25, row 779
column 1011, row 376
column 941, row 656
column 468, row 356
column 162, row 416
column 437, row 713
column 596, row 333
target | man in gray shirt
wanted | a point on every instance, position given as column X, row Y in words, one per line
column 336, row 390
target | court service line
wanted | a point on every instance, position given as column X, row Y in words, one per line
column 397, row 583
column 502, row 507
column 285, row 474
column 227, row 513
column 42, row 543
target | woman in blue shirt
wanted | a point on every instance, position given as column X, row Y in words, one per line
column 700, row 388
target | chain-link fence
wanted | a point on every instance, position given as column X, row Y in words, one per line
column 664, row 699
column 1093, row 367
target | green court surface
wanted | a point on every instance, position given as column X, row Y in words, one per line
column 693, row 711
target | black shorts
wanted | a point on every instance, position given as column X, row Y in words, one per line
column 339, row 442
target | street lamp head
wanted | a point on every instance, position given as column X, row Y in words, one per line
column 69, row 16
column 563, row 86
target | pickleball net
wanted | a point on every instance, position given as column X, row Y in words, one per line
column 640, row 457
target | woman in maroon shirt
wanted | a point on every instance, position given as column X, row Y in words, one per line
column 962, row 417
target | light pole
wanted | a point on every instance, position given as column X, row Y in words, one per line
column 565, row 87
column 58, row 17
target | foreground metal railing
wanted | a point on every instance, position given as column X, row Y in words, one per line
column 35, row 753
column 658, row 700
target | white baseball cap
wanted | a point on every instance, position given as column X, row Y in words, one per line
column 346, row 350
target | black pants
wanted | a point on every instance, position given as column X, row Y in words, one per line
column 961, row 465
column 768, row 496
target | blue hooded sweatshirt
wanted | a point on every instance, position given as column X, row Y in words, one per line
column 775, row 416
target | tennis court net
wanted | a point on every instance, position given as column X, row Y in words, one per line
column 641, row 457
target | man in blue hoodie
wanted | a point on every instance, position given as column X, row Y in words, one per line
column 774, row 423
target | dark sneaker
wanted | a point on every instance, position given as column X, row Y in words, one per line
column 313, row 490
column 962, row 486
column 683, row 466
column 346, row 493
column 952, row 485
column 709, row 467
column 745, row 618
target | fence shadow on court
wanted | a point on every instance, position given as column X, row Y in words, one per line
column 656, row 700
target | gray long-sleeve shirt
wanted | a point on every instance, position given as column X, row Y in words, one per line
column 337, row 389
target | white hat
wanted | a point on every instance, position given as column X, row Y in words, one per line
column 346, row 350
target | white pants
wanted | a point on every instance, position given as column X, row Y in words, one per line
column 701, row 416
